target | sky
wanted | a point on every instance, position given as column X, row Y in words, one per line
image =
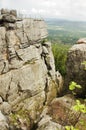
column 60, row 9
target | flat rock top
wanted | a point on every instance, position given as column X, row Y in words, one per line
column 81, row 41
column 81, row 47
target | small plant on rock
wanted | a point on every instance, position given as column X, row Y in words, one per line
column 78, row 107
column 70, row 128
column 74, row 85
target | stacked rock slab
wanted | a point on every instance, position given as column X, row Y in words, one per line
column 27, row 71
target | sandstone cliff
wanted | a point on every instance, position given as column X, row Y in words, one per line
column 27, row 71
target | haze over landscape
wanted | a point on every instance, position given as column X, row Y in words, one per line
column 68, row 9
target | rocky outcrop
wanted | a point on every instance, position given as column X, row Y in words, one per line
column 81, row 41
column 76, row 68
column 27, row 71
column 29, row 84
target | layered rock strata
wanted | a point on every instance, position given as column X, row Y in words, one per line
column 27, row 71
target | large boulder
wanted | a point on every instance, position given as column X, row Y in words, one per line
column 76, row 68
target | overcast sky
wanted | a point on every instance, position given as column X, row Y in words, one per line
column 65, row 9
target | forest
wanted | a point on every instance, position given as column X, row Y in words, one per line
column 66, row 32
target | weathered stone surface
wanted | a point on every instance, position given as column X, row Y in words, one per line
column 29, row 77
column 27, row 70
column 51, row 90
column 1, row 100
column 30, row 30
column 59, row 80
column 34, row 105
column 9, row 18
column 76, row 69
column 5, row 107
column 5, row 11
column 50, row 125
column 3, row 122
column 2, row 40
column 49, row 60
column 10, row 26
column 4, row 84
column 13, row 12
column 3, row 49
column 34, row 55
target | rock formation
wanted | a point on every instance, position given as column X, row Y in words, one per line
column 29, row 84
column 27, row 71
column 76, row 68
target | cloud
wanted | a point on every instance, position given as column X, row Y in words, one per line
column 4, row 3
column 48, row 4
column 68, row 9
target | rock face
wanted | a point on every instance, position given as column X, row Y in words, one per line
column 27, row 71
column 76, row 70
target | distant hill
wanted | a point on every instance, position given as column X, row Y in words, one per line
column 67, row 32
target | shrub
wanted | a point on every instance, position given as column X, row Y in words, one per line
column 60, row 56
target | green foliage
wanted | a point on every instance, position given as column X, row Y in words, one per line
column 70, row 128
column 79, row 107
column 67, row 32
column 60, row 56
column 74, row 85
